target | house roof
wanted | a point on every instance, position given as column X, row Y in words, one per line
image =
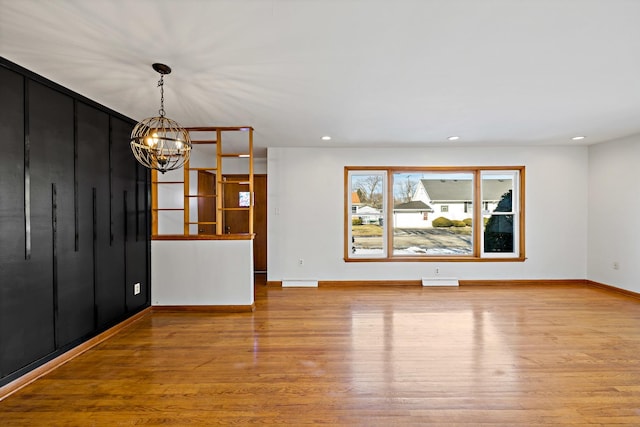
column 368, row 210
column 416, row 205
column 460, row 190
column 355, row 198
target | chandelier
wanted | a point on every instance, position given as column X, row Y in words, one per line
column 159, row 142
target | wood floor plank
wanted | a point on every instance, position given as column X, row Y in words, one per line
column 361, row 356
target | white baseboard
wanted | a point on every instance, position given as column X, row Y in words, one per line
column 440, row 281
column 299, row 283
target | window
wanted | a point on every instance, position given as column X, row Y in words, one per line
column 499, row 214
column 476, row 213
column 367, row 232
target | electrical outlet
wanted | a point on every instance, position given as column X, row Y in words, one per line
column 300, row 261
column 616, row 265
column 136, row 288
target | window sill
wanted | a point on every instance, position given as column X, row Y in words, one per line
column 437, row 259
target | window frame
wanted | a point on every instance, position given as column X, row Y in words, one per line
column 477, row 210
column 349, row 212
column 515, row 208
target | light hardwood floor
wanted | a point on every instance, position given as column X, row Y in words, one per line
column 366, row 356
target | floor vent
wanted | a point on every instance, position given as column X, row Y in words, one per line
column 299, row 283
column 440, row 281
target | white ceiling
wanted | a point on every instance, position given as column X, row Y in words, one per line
column 366, row 72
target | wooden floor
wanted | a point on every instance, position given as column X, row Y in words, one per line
column 366, row 356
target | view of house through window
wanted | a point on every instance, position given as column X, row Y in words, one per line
column 447, row 231
column 431, row 212
column 368, row 200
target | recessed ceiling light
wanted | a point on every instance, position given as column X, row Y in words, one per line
column 578, row 138
column 453, row 138
column 326, row 138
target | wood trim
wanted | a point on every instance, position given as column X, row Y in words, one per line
column 610, row 288
column 19, row 383
column 345, row 283
column 478, row 220
column 436, row 259
column 186, row 190
column 252, row 195
column 207, row 128
column 506, row 282
column 237, row 236
column 154, row 202
column 219, row 190
column 522, row 282
column 521, row 210
column 477, row 213
column 347, row 214
column 204, row 308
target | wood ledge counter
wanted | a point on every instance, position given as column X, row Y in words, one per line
column 238, row 236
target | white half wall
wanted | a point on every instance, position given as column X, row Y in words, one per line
column 306, row 212
column 202, row 272
column 614, row 205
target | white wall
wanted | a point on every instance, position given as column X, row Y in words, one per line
column 306, row 212
column 614, row 209
column 202, row 272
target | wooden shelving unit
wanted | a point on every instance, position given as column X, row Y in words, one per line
column 217, row 168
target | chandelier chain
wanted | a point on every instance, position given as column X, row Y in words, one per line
column 161, row 86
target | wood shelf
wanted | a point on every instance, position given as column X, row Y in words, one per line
column 240, row 155
column 231, row 181
column 210, row 186
column 204, row 141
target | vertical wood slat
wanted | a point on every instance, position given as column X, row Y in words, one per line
column 521, row 209
column 251, row 187
column 27, row 173
column 76, row 216
column 94, row 255
column 54, row 259
column 154, row 202
column 478, row 220
column 185, row 194
column 125, row 240
column 219, row 189
column 136, row 197
column 111, row 236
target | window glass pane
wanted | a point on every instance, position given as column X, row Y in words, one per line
column 498, row 212
column 367, row 214
column 432, row 213
column 497, row 190
column 498, row 233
